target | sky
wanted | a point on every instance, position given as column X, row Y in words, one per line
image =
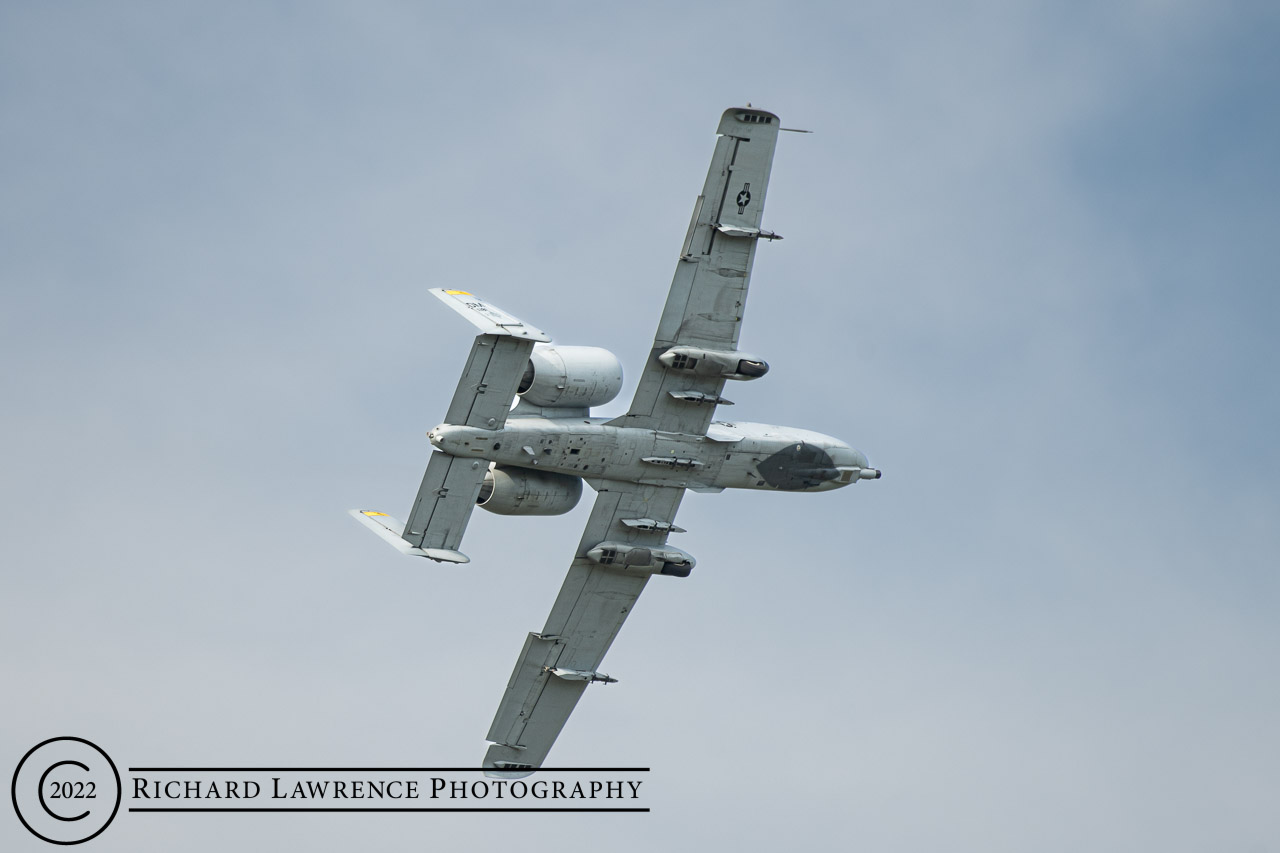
column 1030, row 269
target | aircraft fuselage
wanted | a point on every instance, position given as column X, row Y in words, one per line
column 731, row 456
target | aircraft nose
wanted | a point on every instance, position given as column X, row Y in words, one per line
column 852, row 464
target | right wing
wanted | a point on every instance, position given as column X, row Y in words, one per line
column 556, row 665
column 709, row 291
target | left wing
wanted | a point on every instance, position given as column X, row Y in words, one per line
column 557, row 664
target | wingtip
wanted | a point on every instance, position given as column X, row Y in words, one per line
column 500, row 769
column 494, row 773
column 442, row 555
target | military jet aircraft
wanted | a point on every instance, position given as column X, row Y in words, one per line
column 531, row 459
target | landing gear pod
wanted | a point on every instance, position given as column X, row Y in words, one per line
column 663, row 559
column 705, row 362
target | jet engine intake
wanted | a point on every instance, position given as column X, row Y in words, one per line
column 516, row 491
column 705, row 362
column 570, row 376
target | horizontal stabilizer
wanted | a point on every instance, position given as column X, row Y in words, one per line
column 444, row 503
column 488, row 318
column 489, row 381
column 390, row 530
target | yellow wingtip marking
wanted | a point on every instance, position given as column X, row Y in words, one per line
column 370, row 512
column 457, row 293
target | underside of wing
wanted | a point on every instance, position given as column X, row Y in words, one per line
column 695, row 349
column 624, row 544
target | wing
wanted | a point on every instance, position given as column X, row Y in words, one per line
column 709, row 291
column 557, row 664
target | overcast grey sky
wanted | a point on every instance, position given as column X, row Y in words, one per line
column 1030, row 269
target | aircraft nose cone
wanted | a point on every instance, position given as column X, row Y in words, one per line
column 846, row 457
column 853, row 464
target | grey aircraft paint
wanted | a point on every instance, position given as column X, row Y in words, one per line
column 528, row 460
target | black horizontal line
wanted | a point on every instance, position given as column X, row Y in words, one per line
column 385, row 770
column 392, row 809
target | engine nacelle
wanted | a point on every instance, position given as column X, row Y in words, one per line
column 570, row 376
column 516, row 491
column 706, row 362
